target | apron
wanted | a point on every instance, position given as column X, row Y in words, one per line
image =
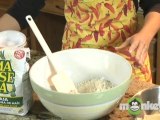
column 103, row 24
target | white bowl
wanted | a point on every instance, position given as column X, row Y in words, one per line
column 81, row 112
column 82, row 64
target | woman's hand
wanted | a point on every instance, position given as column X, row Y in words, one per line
column 139, row 44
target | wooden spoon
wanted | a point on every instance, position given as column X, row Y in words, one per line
column 60, row 80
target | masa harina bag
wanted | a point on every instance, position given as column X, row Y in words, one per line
column 15, row 87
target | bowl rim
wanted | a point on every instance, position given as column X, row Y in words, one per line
column 45, row 57
column 87, row 106
column 146, row 89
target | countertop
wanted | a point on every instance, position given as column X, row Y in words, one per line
column 38, row 112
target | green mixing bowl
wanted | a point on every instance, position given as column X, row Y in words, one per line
column 82, row 64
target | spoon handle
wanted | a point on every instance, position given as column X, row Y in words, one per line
column 40, row 38
column 61, row 81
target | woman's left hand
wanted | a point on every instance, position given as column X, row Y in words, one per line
column 139, row 44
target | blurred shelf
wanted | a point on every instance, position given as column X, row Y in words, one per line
column 54, row 7
column 51, row 6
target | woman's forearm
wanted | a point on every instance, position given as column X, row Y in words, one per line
column 8, row 22
column 151, row 24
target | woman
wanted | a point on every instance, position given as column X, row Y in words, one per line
column 103, row 24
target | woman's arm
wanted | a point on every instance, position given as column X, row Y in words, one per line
column 140, row 41
column 152, row 17
column 15, row 16
column 7, row 22
column 151, row 24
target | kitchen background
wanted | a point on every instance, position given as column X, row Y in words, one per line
column 51, row 23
